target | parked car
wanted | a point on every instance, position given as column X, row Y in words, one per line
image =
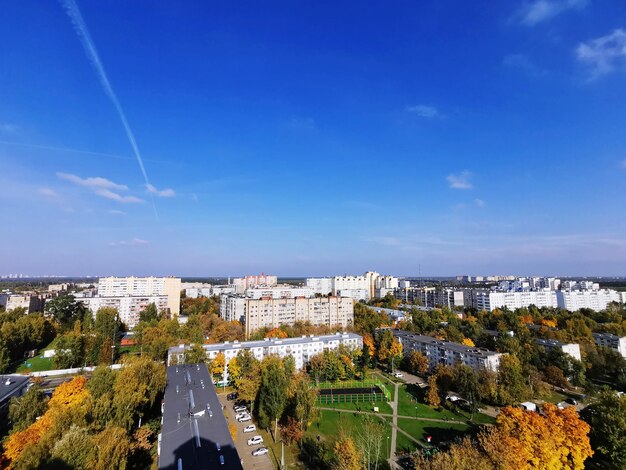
column 398, row 375
column 260, row 451
column 240, row 408
column 232, row 396
column 243, row 413
column 221, row 460
column 249, row 428
column 571, row 401
column 245, row 419
column 218, row 446
column 255, row 440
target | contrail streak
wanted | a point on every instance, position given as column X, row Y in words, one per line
column 90, row 49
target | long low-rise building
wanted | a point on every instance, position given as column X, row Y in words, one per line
column 272, row 313
column 571, row 349
column 448, row 353
column 611, row 341
column 302, row 349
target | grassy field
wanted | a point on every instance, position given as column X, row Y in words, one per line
column 440, row 432
column 37, row 364
column 383, row 407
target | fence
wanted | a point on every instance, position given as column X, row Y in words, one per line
column 353, row 391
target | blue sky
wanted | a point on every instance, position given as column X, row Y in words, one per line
column 313, row 138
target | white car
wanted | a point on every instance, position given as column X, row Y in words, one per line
column 245, row 419
column 255, row 440
column 398, row 375
column 242, row 414
column 250, row 428
column 260, row 451
column 239, row 409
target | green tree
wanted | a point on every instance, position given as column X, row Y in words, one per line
column 195, row 354
column 111, row 449
column 465, row 382
column 101, row 381
column 66, row 310
column 607, row 417
column 273, row 392
column 5, row 358
column 512, row 386
column 73, row 449
column 70, row 350
column 149, row 314
column 24, row 410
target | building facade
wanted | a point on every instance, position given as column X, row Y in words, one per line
column 243, row 283
column 447, row 353
column 611, row 341
column 143, row 287
column 272, row 313
column 571, row 349
column 301, row 349
column 128, row 307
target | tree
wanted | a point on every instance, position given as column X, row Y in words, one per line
column 195, row 354
column 511, row 383
column 276, row 333
column 149, row 314
column 461, row 456
column 66, row 310
column 273, row 392
column 24, row 410
column 218, row 364
column 5, row 358
column 234, row 369
column 292, row 431
column 347, row 455
column 303, row 398
column 607, row 417
column 135, row 389
column 432, row 395
column 73, row 449
column 466, row 383
column 112, row 448
column 418, row 363
column 101, row 382
column 107, row 323
column 70, row 350
column 554, row 376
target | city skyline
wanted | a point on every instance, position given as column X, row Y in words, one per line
column 313, row 139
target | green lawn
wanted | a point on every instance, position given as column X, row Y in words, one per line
column 37, row 364
column 383, row 407
column 440, row 432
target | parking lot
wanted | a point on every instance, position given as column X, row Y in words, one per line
column 260, row 462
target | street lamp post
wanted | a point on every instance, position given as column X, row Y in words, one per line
column 388, row 456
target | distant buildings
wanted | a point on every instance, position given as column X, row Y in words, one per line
column 130, row 295
column 301, row 349
column 30, row 302
column 243, row 283
column 278, row 292
column 198, row 289
column 435, row 296
column 447, row 353
column 272, row 312
column 608, row 340
column 365, row 287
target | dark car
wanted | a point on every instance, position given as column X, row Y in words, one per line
column 571, row 401
column 231, row 396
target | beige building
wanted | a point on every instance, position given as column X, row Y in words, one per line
column 143, row 287
column 272, row 313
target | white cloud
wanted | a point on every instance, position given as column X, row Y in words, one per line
column 524, row 64
column 604, row 54
column 92, row 182
column 48, row 193
column 539, row 11
column 425, row 111
column 167, row 192
column 102, row 187
column 132, row 242
column 480, row 202
column 460, row 180
column 116, row 212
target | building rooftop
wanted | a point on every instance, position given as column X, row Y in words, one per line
column 551, row 342
column 610, row 336
column 267, row 342
column 457, row 347
column 195, row 432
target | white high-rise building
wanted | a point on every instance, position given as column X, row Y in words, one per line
column 143, row 287
column 357, row 287
column 278, row 292
column 593, row 299
column 320, row 285
column 127, row 307
column 572, row 349
column 490, row 300
column 274, row 312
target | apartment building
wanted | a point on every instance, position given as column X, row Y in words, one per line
column 611, row 341
column 207, row 290
column 302, row 349
column 243, row 283
column 448, row 353
column 594, row 299
column 490, row 300
column 127, row 307
column 572, row 349
column 272, row 313
column 143, row 287
column 32, row 303
column 360, row 287
column 278, row 292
